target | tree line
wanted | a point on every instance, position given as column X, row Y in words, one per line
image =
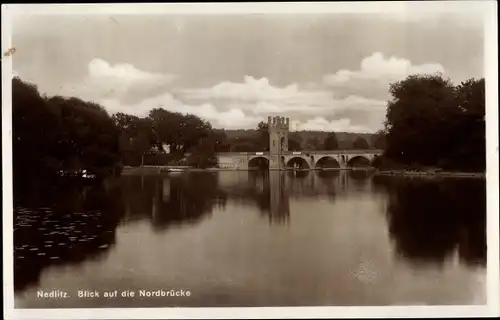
column 54, row 134
column 258, row 140
column 51, row 134
column 429, row 122
column 65, row 134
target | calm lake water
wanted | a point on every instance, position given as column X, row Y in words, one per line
column 254, row 239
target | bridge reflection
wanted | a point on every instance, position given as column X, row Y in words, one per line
column 272, row 191
column 272, row 196
column 429, row 221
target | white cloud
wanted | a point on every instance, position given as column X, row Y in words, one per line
column 231, row 119
column 125, row 88
column 321, row 124
column 234, row 118
column 330, row 106
column 242, row 117
column 119, row 81
column 99, row 68
column 259, row 98
column 378, row 67
column 253, row 89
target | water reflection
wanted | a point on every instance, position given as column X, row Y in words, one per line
column 429, row 222
column 173, row 200
column 432, row 221
column 273, row 198
column 63, row 226
column 271, row 191
column 359, row 177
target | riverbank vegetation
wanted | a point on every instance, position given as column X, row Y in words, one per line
column 58, row 138
column 432, row 124
column 52, row 135
column 66, row 136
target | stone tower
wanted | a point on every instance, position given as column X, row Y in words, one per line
column 278, row 140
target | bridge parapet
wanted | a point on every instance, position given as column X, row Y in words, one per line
column 303, row 152
column 264, row 153
column 346, row 151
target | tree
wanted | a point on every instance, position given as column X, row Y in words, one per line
column 254, row 141
column 36, row 130
column 221, row 141
column 203, row 154
column 167, row 125
column 360, row 143
column 467, row 128
column 179, row 131
column 296, row 136
column 312, row 144
column 89, row 138
column 243, row 146
column 416, row 117
column 192, row 130
column 293, row 145
column 379, row 140
column 331, row 142
column 263, row 136
column 137, row 136
column 58, row 133
column 431, row 122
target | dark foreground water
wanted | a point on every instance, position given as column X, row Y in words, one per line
column 253, row 239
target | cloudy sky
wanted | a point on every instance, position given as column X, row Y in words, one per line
column 326, row 71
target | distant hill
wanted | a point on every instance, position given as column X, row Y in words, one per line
column 345, row 139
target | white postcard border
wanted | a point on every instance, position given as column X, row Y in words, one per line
column 398, row 8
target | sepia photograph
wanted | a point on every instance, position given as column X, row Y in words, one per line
column 223, row 155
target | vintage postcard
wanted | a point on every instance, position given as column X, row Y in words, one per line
column 262, row 160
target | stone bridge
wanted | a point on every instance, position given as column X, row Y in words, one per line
column 280, row 158
column 298, row 159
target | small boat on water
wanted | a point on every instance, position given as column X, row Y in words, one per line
column 87, row 175
column 173, row 171
column 83, row 176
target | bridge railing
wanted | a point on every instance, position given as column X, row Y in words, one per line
column 344, row 151
column 302, row 152
column 266, row 153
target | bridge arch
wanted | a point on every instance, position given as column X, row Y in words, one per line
column 327, row 162
column 359, row 161
column 301, row 162
column 259, row 163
